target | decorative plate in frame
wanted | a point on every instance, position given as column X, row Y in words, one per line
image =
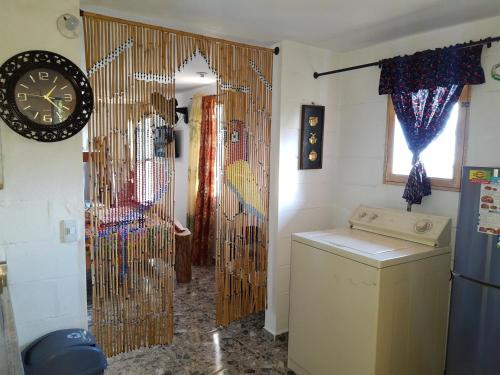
column 311, row 137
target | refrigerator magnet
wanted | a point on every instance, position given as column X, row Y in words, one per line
column 479, row 176
column 489, row 209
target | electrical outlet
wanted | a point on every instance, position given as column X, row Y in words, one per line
column 69, row 232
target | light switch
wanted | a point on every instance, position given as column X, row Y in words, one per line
column 69, row 231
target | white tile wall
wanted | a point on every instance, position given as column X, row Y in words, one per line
column 43, row 185
column 28, row 262
column 355, row 142
column 47, row 277
column 305, row 196
column 29, row 330
column 359, row 178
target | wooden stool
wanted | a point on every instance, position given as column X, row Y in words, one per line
column 183, row 256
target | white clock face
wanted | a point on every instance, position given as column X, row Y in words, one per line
column 45, row 96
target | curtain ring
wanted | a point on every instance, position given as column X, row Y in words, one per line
column 494, row 73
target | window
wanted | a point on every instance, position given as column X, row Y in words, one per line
column 443, row 158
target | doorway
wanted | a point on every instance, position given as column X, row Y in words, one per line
column 196, row 135
column 133, row 71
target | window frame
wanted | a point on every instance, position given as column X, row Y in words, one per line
column 460, row 147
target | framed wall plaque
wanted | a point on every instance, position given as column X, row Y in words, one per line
column 311, row 136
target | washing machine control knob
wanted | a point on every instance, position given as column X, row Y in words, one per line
column 423, row 226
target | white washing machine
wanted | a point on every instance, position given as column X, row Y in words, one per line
column 372, row 299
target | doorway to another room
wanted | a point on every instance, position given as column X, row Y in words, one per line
column 194, row 139
column 200, row 142
column 196, row 142
column 178, row 181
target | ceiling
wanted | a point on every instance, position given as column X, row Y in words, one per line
column 338, row 25
column 188, row 77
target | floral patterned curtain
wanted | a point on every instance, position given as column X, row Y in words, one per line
column 424, row 87
column 204, row 216
column 423, row 116
column 194, row 157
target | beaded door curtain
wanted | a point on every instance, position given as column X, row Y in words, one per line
column 129, row 225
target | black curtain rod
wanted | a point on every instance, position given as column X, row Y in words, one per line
column 486, row 41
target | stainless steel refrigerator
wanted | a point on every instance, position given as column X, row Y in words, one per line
column 474, row 326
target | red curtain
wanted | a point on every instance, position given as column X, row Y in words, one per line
column 204, row 215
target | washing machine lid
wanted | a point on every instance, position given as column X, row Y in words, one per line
column 368, row 244
column 372, row 249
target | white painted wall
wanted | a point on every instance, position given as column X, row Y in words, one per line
column 182, row 162
column 354, row 143
column 43, row 184
column 300, row 200
column 363, row 121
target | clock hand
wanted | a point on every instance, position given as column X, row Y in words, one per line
column 43, row 96
column 50, row 92
column 51, row 102
column 38, row 96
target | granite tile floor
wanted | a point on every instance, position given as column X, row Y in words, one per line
column 199, row 347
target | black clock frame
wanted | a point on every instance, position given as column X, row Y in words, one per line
column 12, row 70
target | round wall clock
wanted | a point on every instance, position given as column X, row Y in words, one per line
column 44, row 96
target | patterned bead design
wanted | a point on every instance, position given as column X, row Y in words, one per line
column 261, row 76
column 163, row 79
column 111, row 57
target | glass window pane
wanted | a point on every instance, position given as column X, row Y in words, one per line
column 438, row 157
